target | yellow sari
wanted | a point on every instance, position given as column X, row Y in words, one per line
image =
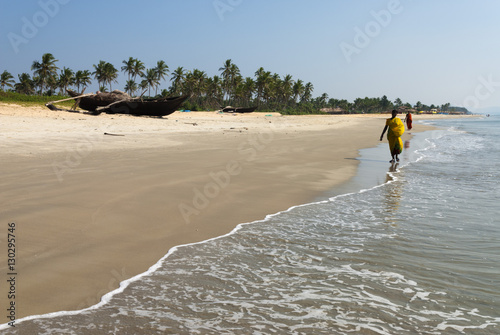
column 396, row 128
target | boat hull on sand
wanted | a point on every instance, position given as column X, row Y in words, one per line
column 118, row 102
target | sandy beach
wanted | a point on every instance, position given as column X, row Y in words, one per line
column 99, row 199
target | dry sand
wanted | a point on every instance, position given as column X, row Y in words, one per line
column 92, row 209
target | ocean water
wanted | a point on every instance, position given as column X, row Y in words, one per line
column 412, row 248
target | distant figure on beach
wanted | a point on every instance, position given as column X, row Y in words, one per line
column 396, row 128
column 408, row 120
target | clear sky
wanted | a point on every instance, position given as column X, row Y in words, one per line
column 433, row 51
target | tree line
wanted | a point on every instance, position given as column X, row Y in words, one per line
column 267, row 90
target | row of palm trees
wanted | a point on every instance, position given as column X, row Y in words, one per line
column 46, row 80
column 266, row 89
column 228, row 88
column 377, row 105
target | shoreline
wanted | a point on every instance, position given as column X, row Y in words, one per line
column 124, row 201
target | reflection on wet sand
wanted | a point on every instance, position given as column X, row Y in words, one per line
column 393, row 194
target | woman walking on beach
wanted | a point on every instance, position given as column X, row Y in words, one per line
column 408, row 120
column 396, row 129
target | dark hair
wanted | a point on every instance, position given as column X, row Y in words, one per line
column 394, row 111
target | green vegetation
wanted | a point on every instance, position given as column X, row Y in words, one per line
column 269, row 91
column 31, row 100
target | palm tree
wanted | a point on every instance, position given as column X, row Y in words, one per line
column 213, row 90
column 199, row 79
column 161, row 71
column 322, row 100
column 150, row 80
column 258, row 83
column 274, row 90
column 6, row 79
column 130, row 87
column 262, row 83
column 359, row 104
column 66, row 78
column 235, row 77
column 105, row 73
column 82, row 78
column 287, row 86
column 128, row 68
column 226, row 74
column 110, row 74
column 51, row 84
column 178, row 77
column 398, row 102
column 188, row 83
column 308, row 89
column 25, row 84
column 195, row 84
column 45, row 69
column 138, row 69
column 245, row 90
column 297, row 89
column 385, row 104
column 37, row 83
column 230, row 73
column 99, row 72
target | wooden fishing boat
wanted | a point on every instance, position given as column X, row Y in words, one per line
column 101, row 99
column 145, row 107
column 118, row 102
column 229, row 109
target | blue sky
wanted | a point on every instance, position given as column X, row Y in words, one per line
column 429, row 51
